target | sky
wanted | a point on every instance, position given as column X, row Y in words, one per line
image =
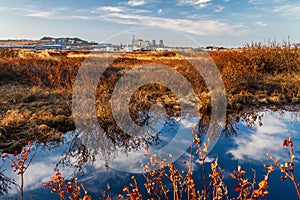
column 228, row 23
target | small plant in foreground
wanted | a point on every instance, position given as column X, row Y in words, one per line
column 247, row 189
column 57, row 185
column 20, row 163
column 219, row 188
column 106, row 193
column 288, row 167
column 134, row 192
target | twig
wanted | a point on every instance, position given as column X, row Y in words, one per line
column 288, row 168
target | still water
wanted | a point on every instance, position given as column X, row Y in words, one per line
column 245, row 141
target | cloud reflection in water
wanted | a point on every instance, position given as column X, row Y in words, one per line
column 253, row 144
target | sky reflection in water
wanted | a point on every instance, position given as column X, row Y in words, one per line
column 248, row 148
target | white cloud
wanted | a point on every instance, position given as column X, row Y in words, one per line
column 253, row 2
column 42, row 14
column 197, row 27
column 48, row 14
column 111, row 9
column 288, row 10
column 219, row 8
column 196, row 16
column 136, row 2
column 141, row 17
column 260, row 23
column 195, row 3
column 117, row 9
column 57, row 13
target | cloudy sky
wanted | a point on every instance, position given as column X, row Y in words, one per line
column 209, row 22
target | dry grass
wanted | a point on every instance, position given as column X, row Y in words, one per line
column 31, row 113
column 36, row 90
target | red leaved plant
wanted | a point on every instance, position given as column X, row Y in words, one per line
column 20, row 163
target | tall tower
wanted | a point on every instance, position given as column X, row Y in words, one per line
column 161, row 43
column 153, row 43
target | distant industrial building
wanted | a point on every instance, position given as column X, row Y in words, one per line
column 106, row 47
column 66, row 43
column 161, row 43
column 58, row 44
column 141, row 45
column 214, row 48
column 153, row 43
column 18, row 47
column 53, row 47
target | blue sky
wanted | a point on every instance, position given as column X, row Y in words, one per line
column 228, row 23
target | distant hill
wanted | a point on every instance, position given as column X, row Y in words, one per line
column 47, row 38
column 77, row 40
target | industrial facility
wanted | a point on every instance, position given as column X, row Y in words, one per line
column 59, row 44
